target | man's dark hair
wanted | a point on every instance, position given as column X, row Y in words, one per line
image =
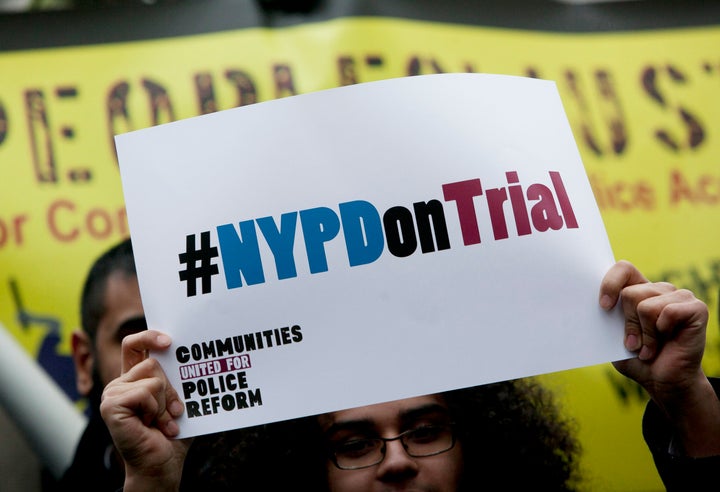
column 511, row 433
column 92, row 306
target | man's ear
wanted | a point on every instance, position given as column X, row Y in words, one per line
column 82, row 353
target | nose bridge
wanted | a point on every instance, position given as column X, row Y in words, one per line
column 397, row 464
column 395, row 454
column 398, row 439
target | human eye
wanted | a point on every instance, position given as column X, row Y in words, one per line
column 130, row 327
column 426, row 433
column 353, row 448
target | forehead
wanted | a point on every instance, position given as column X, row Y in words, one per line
column 385, row 413
column 121, row 300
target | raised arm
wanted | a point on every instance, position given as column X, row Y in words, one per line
column 139, row 409
column 665, row 327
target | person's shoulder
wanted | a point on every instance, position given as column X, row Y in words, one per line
column 94, row 466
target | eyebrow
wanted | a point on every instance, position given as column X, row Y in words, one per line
column 423, row 411
column 134, row 325
column 406, row 417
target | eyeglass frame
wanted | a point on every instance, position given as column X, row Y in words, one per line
column 383, row 450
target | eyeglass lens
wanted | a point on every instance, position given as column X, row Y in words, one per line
column 419, row 442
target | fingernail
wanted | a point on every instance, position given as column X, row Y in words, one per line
column 632, row 342
column 172, row 428
column 606, row 302
column 163, row 340
column 175, row 408
column 645, row 353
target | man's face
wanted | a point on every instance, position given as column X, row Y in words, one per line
column 398, row 470
column 98, row 363
column 123, row 316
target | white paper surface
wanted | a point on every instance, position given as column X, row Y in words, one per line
column 399, row 322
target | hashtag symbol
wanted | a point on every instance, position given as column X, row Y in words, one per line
column 190, row 258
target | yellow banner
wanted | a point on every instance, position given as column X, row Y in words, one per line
column 642, row 106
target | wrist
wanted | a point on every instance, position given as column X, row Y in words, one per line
column 694, row 413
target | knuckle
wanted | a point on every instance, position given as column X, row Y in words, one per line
column 687, row 294
column 665, row 286
column 702, row 306
column 632, row 292
column 152, row 364
column 129, row 341
column 646, row 308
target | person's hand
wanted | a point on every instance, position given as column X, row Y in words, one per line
column 665, row 328
column 139, row 409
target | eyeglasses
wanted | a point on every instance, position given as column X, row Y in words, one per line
column 420, row 442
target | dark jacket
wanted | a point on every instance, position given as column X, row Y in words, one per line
column 678, row 473
column 95, row 465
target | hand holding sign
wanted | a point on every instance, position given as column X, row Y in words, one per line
column 665, row 327
column 139, row 409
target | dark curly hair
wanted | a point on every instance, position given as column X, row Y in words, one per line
column 511, row 433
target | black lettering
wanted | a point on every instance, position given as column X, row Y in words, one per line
column 205, row 93
column 255, row 397
column 610, row 107
column 224, row 347
column 230, row 382
column 118, row 117
column 40, row 137
column 241, row 399
column 242, row 380
column 346, row 70
column 416, row 64
column 284, row 85
column 695, row 131
column 188, row 389
column 400, row 231
column 614, row 113
column 228, row 403
column 208, row 350
column 159, row 102
column 3, row 123
column 285, row 334
column 250, row 342
column 238, row 344
column 214, row 390
column 246, row 93
column 182, row 354
column 193, row 409
column 424, row 211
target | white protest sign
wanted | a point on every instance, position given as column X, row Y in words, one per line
column 366, row 244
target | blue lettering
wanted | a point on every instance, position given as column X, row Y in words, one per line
column 319, row 225
column 281, row 242
column 240, row 255
column 363, row 232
